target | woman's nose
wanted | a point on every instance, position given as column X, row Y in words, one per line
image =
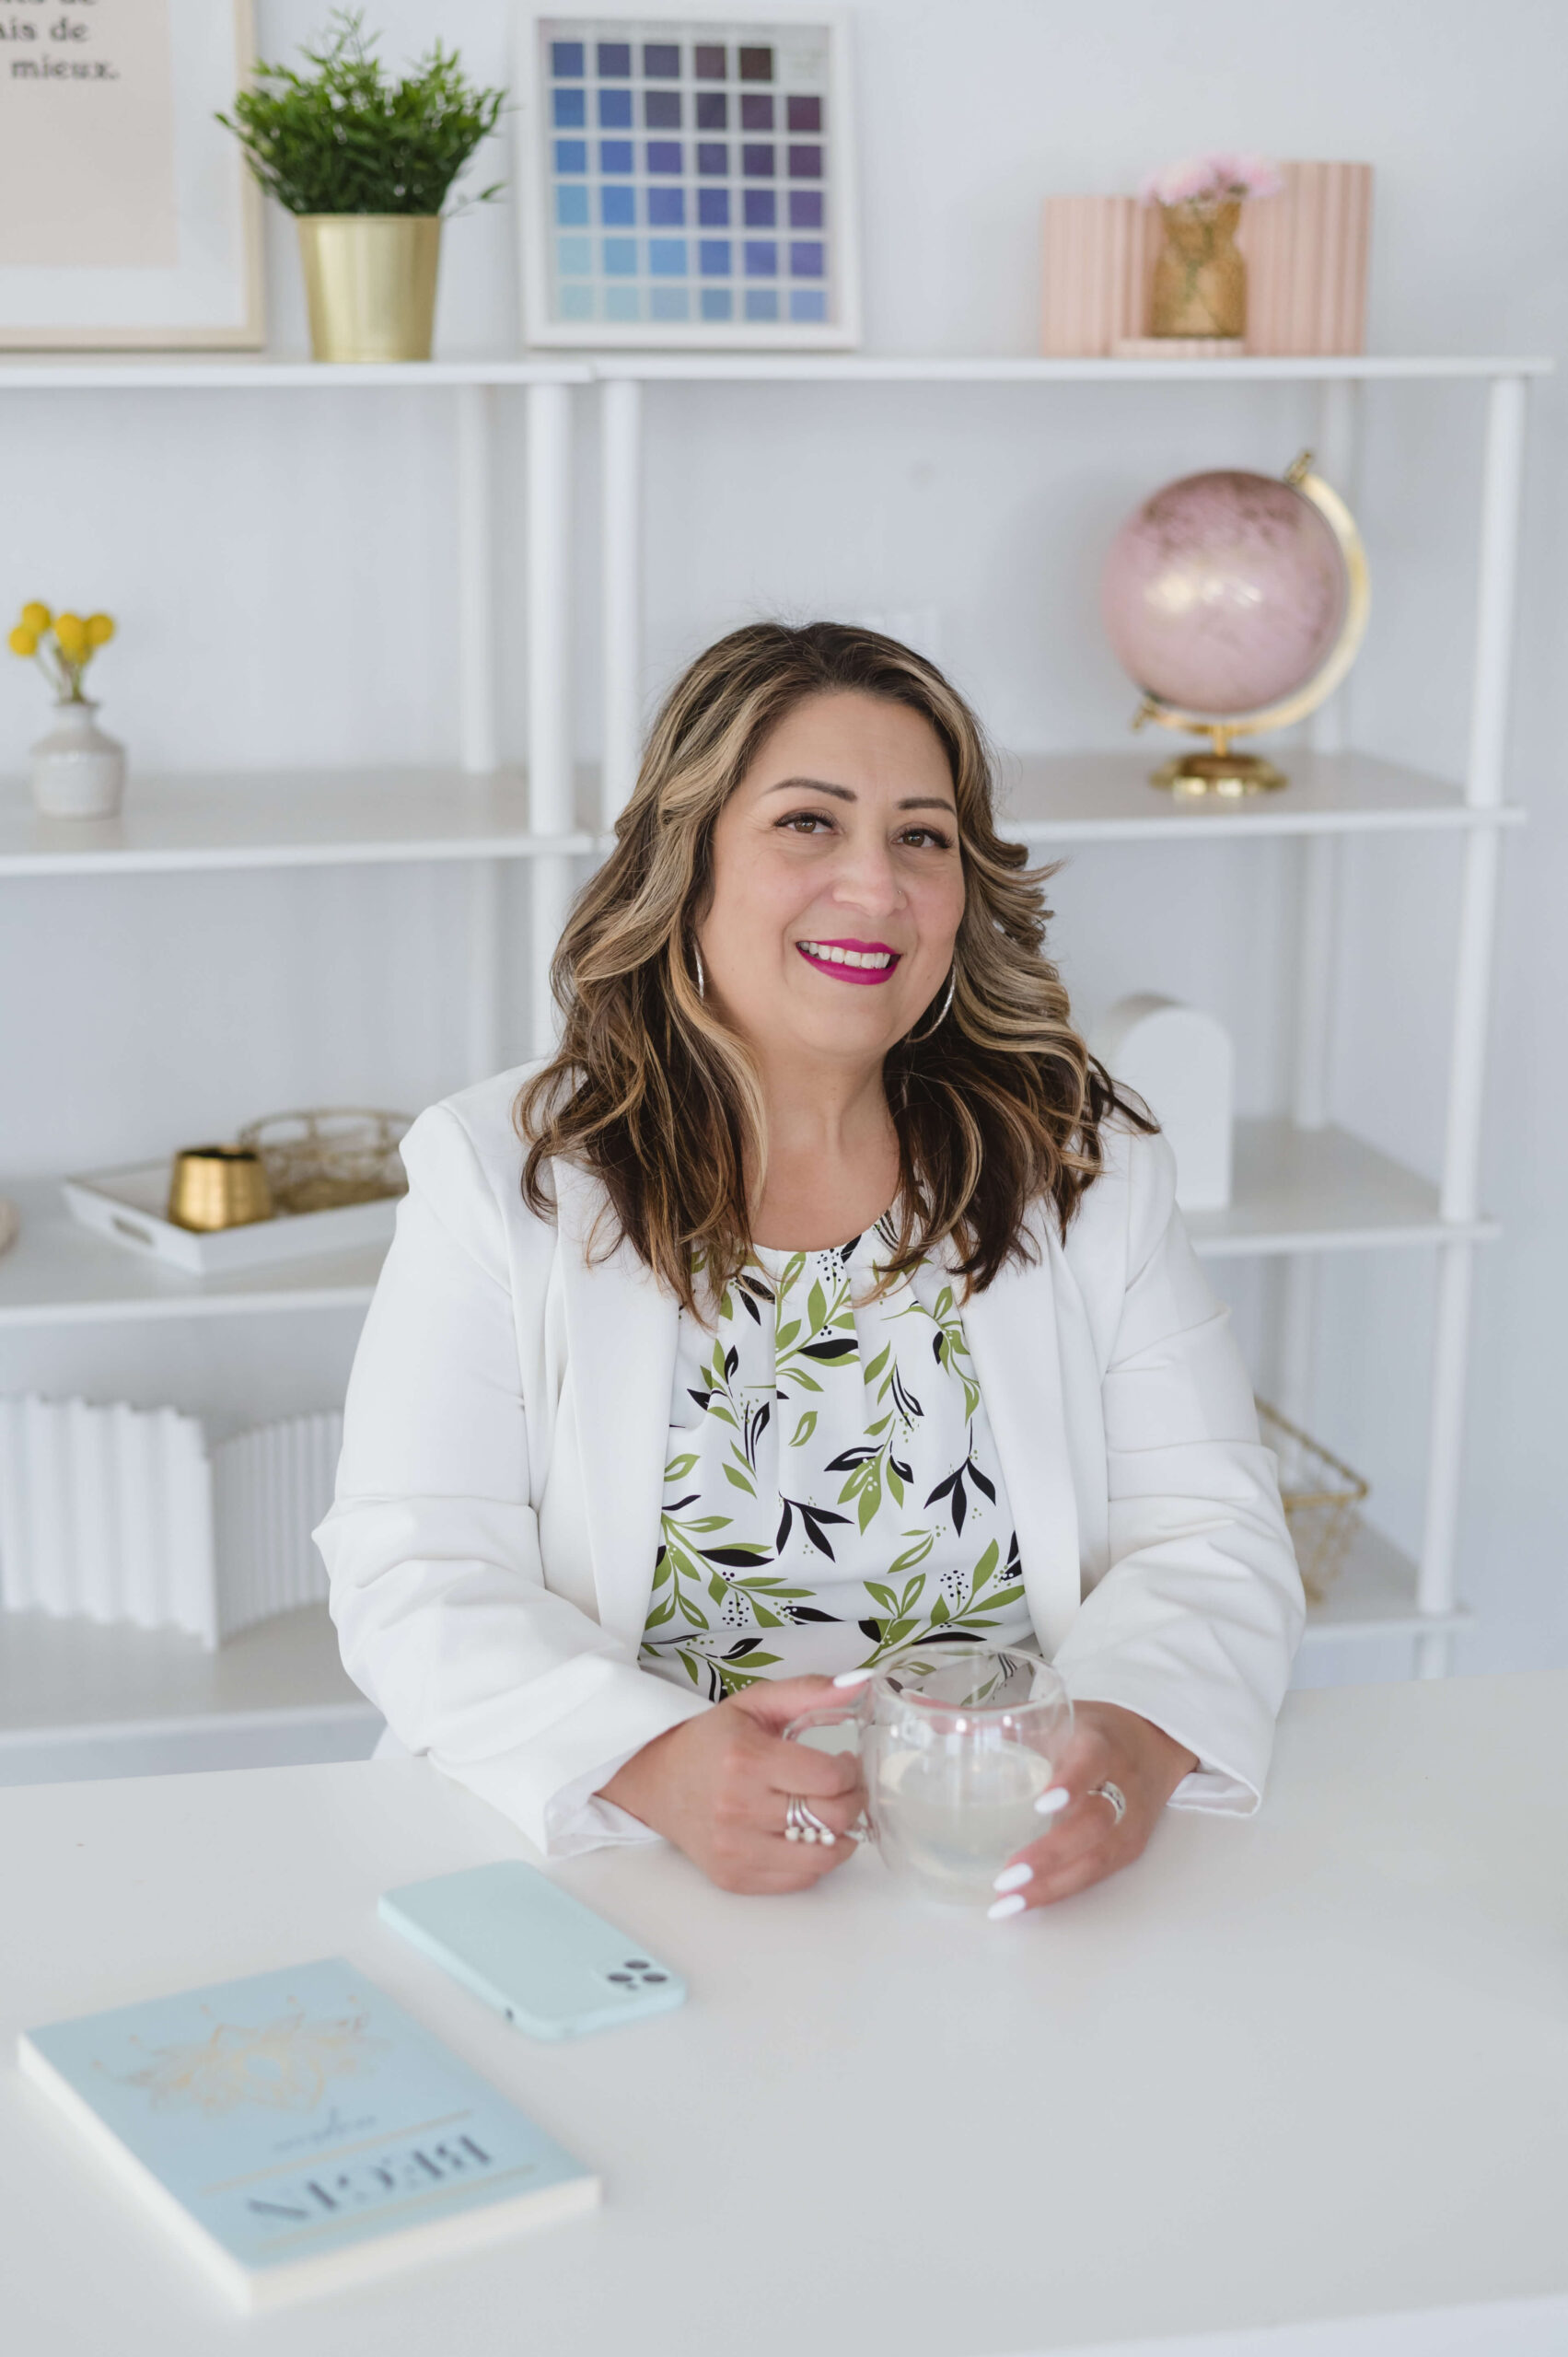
column 866, row 878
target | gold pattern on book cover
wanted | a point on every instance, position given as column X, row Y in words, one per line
column 282, row 2065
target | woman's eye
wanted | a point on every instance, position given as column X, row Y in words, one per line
column 919, row 836
column 806, row 822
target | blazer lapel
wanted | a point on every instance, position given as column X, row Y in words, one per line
column 1012, row 1332
column 622, row 1328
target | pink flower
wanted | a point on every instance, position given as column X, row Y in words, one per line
column 1179, row 183
column 1256, row 176
column 1206, row 181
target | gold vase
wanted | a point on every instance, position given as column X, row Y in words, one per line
column 218, row 1186
column 370, row 282
column 1200, row 283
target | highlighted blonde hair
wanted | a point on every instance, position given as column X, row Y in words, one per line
column 998, row 1111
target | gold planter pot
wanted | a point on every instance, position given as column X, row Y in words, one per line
column 212, row 1187
column 370, row 282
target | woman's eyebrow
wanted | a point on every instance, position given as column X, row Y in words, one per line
column 847, row 794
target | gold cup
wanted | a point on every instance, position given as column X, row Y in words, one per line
column 218, row 1186
column 370, row 284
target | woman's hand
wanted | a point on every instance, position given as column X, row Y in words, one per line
column 1084, row 1842
column 717, row 1787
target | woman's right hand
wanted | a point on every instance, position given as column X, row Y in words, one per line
column 718, row 1785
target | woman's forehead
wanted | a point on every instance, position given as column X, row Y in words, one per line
column 858, row 744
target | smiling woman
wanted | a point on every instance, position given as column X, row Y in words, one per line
column 819, row 1297
column 808, row 795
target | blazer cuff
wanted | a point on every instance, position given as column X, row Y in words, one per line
column 579, row 1818
column 1217, row 1787
column 1215, row 1793
column 549, row 1787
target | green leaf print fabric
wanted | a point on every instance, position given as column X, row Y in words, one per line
column 832, row 1492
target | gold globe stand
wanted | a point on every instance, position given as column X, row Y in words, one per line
column 1229, row 775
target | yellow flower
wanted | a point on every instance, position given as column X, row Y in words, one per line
column 24, row 641
column 36, row 618
column 71, row 633
column 101, row 628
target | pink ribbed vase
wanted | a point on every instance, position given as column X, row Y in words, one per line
column 1305, row 253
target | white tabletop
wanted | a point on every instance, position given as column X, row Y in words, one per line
column 1312, row 2066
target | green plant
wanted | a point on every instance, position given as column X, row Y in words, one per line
column 347, row 139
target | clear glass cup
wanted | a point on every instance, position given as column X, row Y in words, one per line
column 957, row 1743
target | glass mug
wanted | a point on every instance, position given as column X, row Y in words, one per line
column 957, row 1743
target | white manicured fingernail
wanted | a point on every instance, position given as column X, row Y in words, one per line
column 854, row 1676
column 1014, row 1877
column 1049, row 1802
column 1006, row 1907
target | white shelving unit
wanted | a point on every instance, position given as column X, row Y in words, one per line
column 1303, row 1188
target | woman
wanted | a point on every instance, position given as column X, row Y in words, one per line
column 818, row 1295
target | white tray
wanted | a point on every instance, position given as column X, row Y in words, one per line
column 128, row 1207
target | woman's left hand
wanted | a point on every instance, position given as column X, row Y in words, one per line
column 1084, row 1842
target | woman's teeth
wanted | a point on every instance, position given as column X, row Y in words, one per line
column 831, row 956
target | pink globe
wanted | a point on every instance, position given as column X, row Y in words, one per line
column 1224, row 592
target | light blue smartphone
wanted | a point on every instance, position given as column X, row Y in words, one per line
column 531, row 1950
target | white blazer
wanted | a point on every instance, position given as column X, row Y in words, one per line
column 493, row 1540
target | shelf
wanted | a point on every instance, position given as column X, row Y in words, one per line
column 1375, row 1597
column 1295, row 1191
column 59, row 1273
column 1106, row 798
column 1004, row 369
column 1321, row 1190
column 342, row 817
column 170, row 372
column 77, row 1699
column 61, row 1676
column 251, row 372
column 282, row 818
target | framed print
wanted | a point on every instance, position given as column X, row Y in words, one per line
column 127, row 214
column 686, row 182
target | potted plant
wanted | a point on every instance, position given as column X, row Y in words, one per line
column 364, row 164
column 1200, row 281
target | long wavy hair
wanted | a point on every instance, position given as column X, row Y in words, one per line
column 998, row 1110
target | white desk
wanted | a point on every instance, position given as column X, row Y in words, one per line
column 1309, row 2067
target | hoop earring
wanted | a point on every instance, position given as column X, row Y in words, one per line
column 701, row 978
column 917, row 1038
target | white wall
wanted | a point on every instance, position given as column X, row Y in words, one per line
column 283, row 569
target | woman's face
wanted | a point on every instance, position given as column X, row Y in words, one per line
column 838, row 883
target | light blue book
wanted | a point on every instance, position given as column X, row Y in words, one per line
column 299, row 2133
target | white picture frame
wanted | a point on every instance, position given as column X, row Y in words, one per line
column 153, row 240
column 809, row 46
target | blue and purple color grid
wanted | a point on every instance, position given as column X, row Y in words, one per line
column 688, row 180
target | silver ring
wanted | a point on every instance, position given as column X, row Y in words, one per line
column 802, row 1824
column 1114, row 1795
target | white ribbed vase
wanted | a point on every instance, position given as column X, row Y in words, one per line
column 79, row 771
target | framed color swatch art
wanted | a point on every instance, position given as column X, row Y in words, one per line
column 686, row 182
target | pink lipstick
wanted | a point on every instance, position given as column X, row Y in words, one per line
column 851, row 961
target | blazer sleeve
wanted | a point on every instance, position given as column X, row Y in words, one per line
column 1195, row 1622
column 431, row 1547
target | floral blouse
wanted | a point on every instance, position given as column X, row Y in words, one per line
column 832, row 1492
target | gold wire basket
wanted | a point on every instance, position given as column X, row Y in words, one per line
column 317, row 1161
column 1321, row 1498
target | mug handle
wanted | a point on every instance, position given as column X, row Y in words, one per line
column 831, row 1717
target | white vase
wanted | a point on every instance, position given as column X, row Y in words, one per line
column 78, row 771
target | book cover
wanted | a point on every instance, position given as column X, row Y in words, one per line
column 300, row 2132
